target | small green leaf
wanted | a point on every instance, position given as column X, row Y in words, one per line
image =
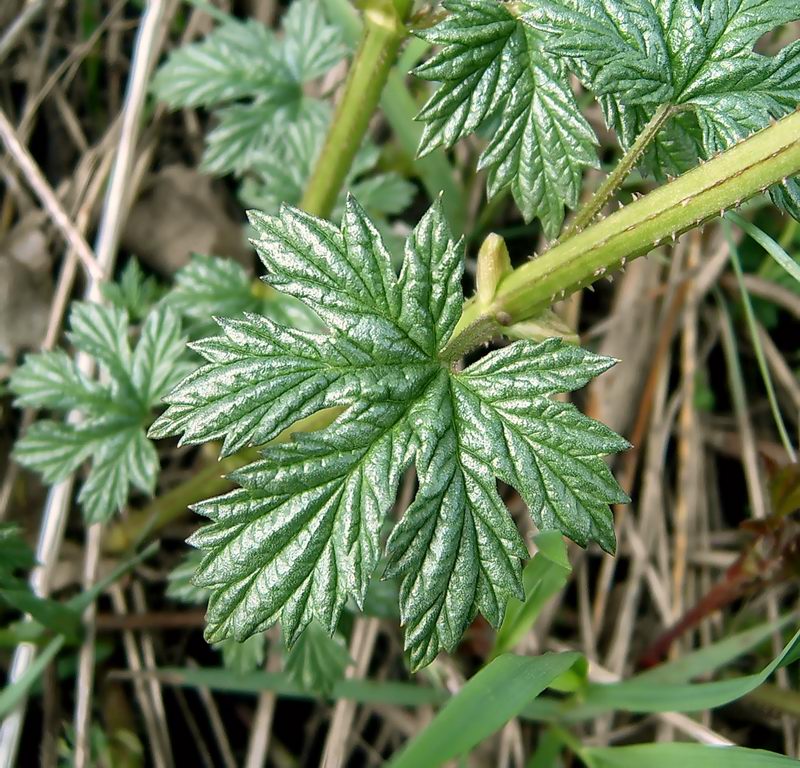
column 493, row 66
column 180, row 585
column 113, row 414
column 54, row 449
column 317, row 661
column 102, row 333
column 311, row 46
column 125, row 457
column 302, row 533
column 154, row 362
column 254, row 80
column 235, row 61
column 134, row 292
column 242, row 658
column 53, row 380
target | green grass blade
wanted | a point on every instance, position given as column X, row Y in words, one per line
column 685, row 756
column 88, row 596
column 772, row 248
column 543, row 577
column 486, row 702
column 640, row 695
column 716, row 655
column 58, row 618
column 754, row 336
column 362, row 691
column 13, row 694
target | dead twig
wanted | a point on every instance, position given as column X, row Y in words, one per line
column 39, row 185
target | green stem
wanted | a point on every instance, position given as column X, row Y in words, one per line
column 733, row 176
column 381, row 38
column 399, row 107
column 619, row 174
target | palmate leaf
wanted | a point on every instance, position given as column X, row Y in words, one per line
column 134, row 292
column 302, row 533
column 491, row 65
column 253, row 80
column 113, row 413
column 234, row 61
column 696, row 56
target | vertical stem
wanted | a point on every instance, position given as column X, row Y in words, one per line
column 619, row 174
column 399, row 108
column 381, row 38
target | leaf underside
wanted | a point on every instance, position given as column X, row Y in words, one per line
column 302, row 533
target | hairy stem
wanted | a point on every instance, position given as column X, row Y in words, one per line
column 619, row 174
column 381, row 38
column 733, row 176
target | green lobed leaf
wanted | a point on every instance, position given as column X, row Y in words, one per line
column 52, row 380
column 491, row 65
column 281, row 172
column 55, row 449
column 311, row 46
column 211, row 286
column 180, row 586
column 317, row 661
column 124, row 458
column 234, row 61
column 102, row 333
column 242, row 658
column 134, row 292
column 154, row 361
column 302, row 532
column 254, row 82
column 109, row 417
column 695, row 56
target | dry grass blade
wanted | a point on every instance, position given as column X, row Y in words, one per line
column 44, row 192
